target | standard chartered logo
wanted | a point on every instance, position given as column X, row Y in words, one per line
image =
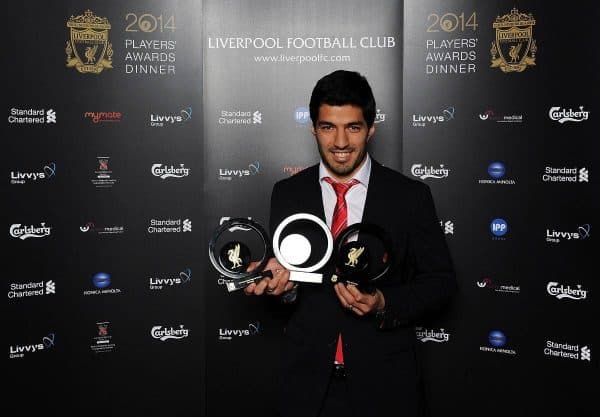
column 583, row 175
column 586, row 353
column 257, row 117
column 187, row 225
column 50, row 116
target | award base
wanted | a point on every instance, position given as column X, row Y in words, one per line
column 299, row 276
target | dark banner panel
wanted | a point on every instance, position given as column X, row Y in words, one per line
column 499, row 122
column 262, row 60
column 104, row 308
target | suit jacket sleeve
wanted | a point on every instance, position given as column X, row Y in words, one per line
column 431, row 279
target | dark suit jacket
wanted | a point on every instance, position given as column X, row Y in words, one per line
column 383, row 372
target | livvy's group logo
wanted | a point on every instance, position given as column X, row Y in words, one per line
column 158, row 282
column 557, row 236
column 19, row 351
column 423, row 120
column 253, row 329
column 47, row 172
column 171, row 119
column 88, row 49
column 228, row 174
column 514, row 49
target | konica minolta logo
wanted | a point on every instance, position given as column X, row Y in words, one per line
column 424, row 172
column 560, row 291
column 169, row 171
column 163, row 333
column 562, row 115
column 25, row 232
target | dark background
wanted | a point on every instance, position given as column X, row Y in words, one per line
column 204, row 374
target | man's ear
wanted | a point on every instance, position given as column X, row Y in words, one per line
column 371, row 132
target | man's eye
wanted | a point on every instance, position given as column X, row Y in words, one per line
column 327, row 128
column 354, row 129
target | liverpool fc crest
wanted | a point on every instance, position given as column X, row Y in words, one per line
column 514, row 49
column 88, row 49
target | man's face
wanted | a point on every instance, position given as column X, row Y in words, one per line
column 342, row 135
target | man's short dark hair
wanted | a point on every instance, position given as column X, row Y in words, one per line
column 340, row 88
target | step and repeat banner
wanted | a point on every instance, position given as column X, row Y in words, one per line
column 134, row 130
column 103, row 209
column 499, row 119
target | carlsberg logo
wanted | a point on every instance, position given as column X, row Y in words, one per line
column 164, row 171
column 24, row 232
column 561, row 291
column 163, row 333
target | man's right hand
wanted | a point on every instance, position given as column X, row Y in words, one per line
column 277, row 285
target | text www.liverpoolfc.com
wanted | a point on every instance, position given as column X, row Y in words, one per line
column 301, row 59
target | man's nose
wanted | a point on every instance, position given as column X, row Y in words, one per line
column 341, row 139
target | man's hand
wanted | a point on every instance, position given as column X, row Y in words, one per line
column 271, row 286
column 360, row 303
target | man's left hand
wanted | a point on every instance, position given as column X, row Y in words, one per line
column 360, row 303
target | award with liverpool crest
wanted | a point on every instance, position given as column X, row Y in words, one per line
column 364, row 261
column 232, row 256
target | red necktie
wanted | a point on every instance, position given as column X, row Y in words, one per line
column 339, row 221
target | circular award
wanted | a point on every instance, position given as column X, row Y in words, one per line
column 232, row 258
column 358, row 262
column 295, row 249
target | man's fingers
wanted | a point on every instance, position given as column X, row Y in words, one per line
column 359, row 296
column 261, row 286
column 344, row 295
column 249, row 290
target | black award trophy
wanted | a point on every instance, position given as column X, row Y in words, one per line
column 355, row 263
column 232, row 258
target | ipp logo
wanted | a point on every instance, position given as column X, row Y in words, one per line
column 499, row 227
column 497, row 338
column 302, row 115
column 496, row 170
column 101, row 280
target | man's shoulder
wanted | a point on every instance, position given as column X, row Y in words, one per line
column 396, row 178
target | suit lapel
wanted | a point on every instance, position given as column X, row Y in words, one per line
column 372, row 211
column 312, row 199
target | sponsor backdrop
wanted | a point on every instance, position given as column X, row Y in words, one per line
column 134, row 131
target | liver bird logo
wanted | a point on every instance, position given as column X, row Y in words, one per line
column 514, row 53
column 234, row 256
column 90, row 54
column 353, row 255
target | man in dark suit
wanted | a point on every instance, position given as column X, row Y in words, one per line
column 347, row 352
